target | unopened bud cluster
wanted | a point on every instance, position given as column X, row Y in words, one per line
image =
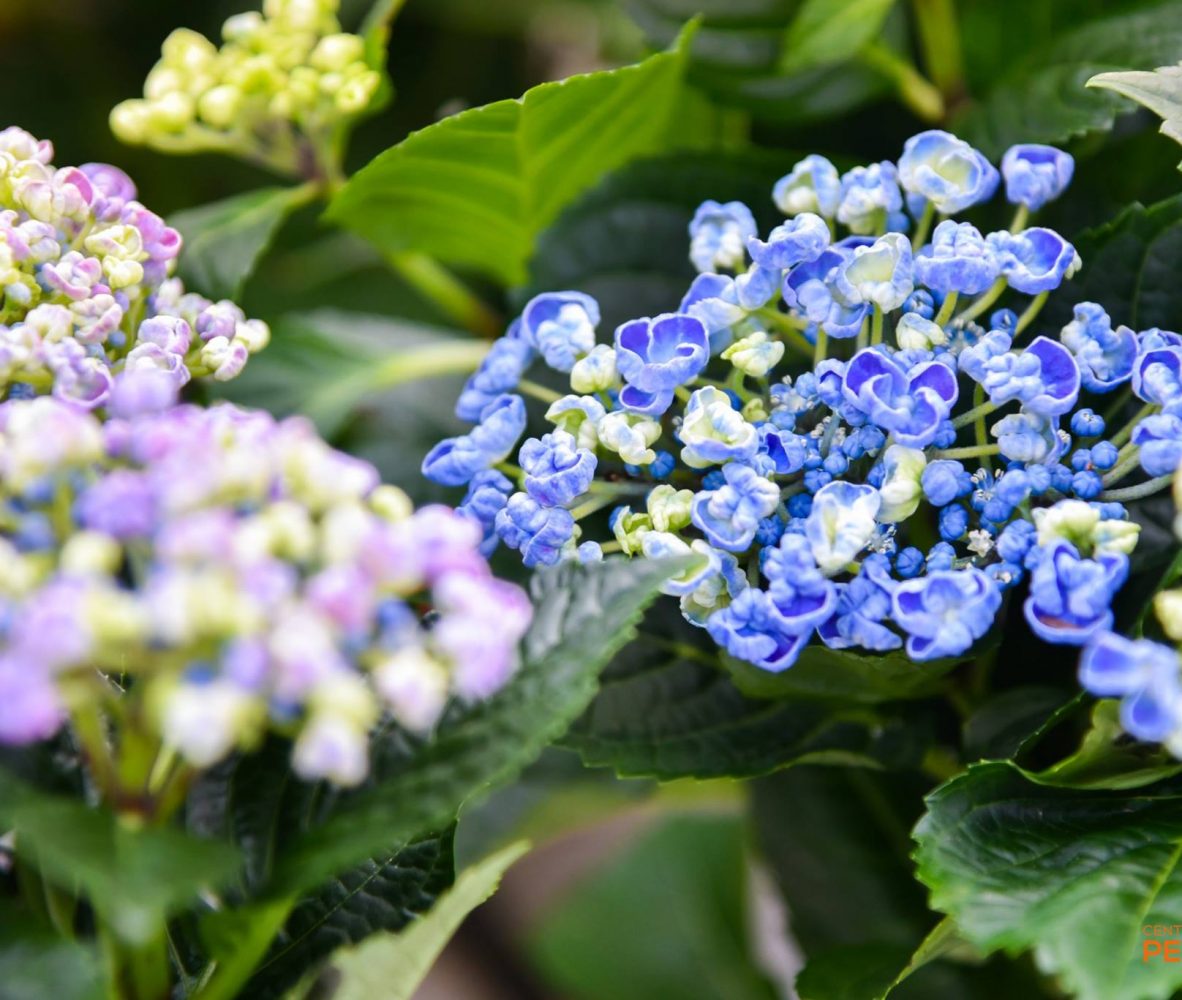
column 277, row 90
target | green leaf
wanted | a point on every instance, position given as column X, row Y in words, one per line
column 582, row 616
column 393, row 965
column 1109, row 758
column 737, row 52
column 1130, row 268
column 134, row 877
column 668, row 918
column 836, row 841
column 830, row 31
column 1159, row 91
column 1043, row 97
column 224, row 240
column 872, row 971
column 841, row 675
column 667, row 709
column 378, row 896
column 477, row 188
column 36, row 964
column 1007, row 722
column 1072, row 874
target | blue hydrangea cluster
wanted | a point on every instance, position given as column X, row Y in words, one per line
column 1145, row 675
column 231, row 574
column 85, row 291
column 842, row 425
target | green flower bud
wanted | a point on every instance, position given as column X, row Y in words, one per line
column 630, row 529
column 171, row 113
column 596, row 372
column 335, row 52
column 669, row 508
column 755, row 355
column 220, row 105
column 131, row 121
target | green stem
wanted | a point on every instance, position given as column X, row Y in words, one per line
column 618, row 489
column 1021, row 217
column 434, row 282
column 594, row 503
column 939, row 39
column 984, row 300
column 946, row 310
column 1126, row 463
column 1030, row 312
column 539, row 392
column 980, row 434
column 923, row 226
column 1137, row 492
column 455, row 357
column 821, row 348
column 912, row 88
column 975, row 451
column 1126, row 432
column 876, row 325
column 978, row 410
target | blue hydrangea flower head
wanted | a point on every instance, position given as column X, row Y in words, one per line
column 910, row 405
column 454, row 461
column 1034, row 260
column 811, row 289
column 868, row 195
column 729, row 516
column 499, row 372
column 488, row 492
column 713, row 299
column 654, row 356
column 1105, row 356
column 1044, row 378
column 863, row 608
column 841, row 523
column 812, row 186
column 974, row 359
column 713, row 431
column 750, row 629
column 880, row 273
column 537, row 531
column 560, row 326
column 1159, row 436
column 1028, row 437
column 556, row 469
column 1071, row 596
column 802, row 595
column 719, row 235
column 1035, row 174
column 946, row 171
column 945, row 612
column 957, row 260
column 797, row 241
column 1143, row 674
column 1157, row 376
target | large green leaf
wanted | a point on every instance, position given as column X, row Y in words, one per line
column 477, row 188
column 668, row 918
column 830, row 31
column 1043, row 97
column 393, row 965
column 133, row 877
column 1160, row 91
column 224, row 240
column 667, row 709
column 582, row 616
column 1072, row 874
column 738, row 49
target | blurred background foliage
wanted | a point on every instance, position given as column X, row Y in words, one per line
column 676, row 909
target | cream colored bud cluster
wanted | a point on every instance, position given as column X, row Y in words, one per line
column 277, row 91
